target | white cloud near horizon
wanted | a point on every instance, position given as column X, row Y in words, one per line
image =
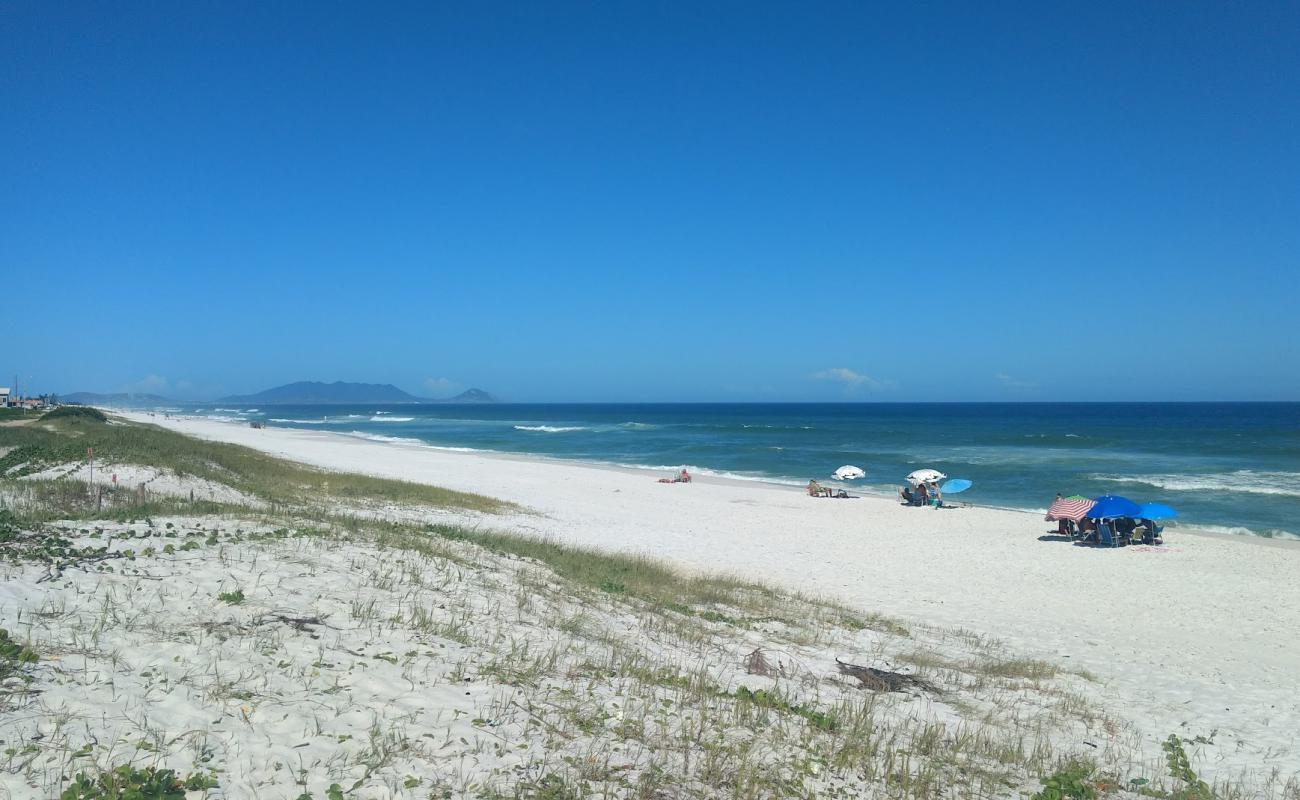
column 853, row 380
column 1014, row 383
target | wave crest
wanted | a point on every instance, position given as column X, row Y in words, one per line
column 1243, row 481
column 549, row 428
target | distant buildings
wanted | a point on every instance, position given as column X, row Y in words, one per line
column 8, row 399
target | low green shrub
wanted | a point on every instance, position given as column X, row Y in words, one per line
column 1070, row 782
column 126, row 782
column 76, row 412
column 14, row 656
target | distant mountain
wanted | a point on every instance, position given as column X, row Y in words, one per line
column 470, row 396
column 317, row 393
column 119, row 399
column 306, row 393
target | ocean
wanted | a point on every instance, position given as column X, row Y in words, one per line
column 1226, row 467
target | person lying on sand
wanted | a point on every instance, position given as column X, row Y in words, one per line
column 815, row 489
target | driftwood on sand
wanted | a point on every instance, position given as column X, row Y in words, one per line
column 882, row 680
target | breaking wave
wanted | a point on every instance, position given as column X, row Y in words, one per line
column 1236, row 530
column 549, row 428
column 379, row 437
column 1245, row 481
column 378, row 418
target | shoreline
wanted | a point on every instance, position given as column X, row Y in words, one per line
column 701, row 475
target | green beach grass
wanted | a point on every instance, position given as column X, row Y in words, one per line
column 62, row 437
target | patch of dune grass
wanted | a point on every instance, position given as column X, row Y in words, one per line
column 64, row 439
column 12, row 414
column 650, row 581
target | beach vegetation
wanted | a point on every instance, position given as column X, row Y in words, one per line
column 126, row 782
column 1073, row 781
column 714, row 598
column 763, row 698
column 15, row 656
column 75, row 413
column 1189, row 785
column 63, row 436
column 232, row 598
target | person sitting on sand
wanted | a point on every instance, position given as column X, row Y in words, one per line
column 815, row 489
column 1150, row 531
column 923, row 494
column 906, row 495
column 1125, row 527
column 935, row 496
column 682, row 477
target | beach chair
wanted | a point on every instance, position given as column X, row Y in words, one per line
column 1104, row 537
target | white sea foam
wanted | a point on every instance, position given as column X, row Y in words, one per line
column 713, row 473
column 637, row 426
column 1246, row 481
column 251, row 410
column 379, row 437
column 1270, row 533
column 378, row 418
column 548, row 428
column 300, row 421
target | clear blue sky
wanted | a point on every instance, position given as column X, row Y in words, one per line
column 654, row 201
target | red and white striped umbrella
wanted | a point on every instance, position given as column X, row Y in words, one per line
column 1071, row 508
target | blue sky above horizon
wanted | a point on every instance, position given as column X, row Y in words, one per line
column 654, row 202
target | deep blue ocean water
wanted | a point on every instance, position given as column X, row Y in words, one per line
column 1224, row 466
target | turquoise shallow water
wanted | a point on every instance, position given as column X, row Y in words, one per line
column 1224, row 466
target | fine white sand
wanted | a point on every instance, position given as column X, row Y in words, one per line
column 1196, row 638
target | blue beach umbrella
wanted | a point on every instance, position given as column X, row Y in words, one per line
column 1155, row 511
column 1111, row 505
column 955, row 485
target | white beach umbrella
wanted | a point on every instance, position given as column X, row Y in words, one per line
column 925, row 476
column 848, row 472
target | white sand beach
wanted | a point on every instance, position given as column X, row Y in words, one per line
column 1195, row 638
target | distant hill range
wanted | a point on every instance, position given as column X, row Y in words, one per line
column 118, row 399
column 307, row 393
